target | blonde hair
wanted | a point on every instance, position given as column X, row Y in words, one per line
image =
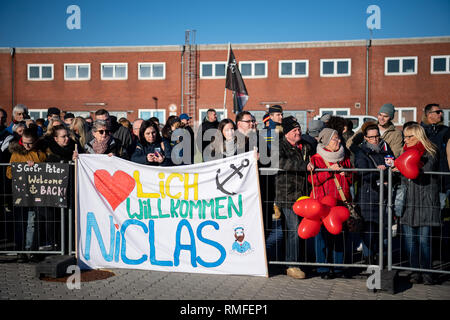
column 80, row 127
column 418, row 131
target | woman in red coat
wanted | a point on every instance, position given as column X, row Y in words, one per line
column 330, row 154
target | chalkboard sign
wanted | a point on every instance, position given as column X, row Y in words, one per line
column 41, row 185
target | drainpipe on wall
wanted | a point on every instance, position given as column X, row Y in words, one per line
column 12, row 51
column 368, row 45
column 183, row 48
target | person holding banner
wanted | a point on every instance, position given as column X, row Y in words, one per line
column 104, row 142
column 26, row 150
column 150, row 150
column 290, row 184
column 62, row 147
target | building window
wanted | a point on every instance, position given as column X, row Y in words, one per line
column 403, row 115
column 77, row 71
column 213, row 70
column 152, row 71
column 253, row 69
column 114, row 71
column 440, row 64
column 335, row 67
column 221, row 114
column 293, row 68
column 40, row 72
column 400, row 66
column 149, row 113
column 334, row 112
column 37, row 114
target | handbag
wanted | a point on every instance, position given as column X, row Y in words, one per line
column 355, row 223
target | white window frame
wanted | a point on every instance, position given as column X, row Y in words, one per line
column 293, row 75
column 447, row 64
column 77, row 78
column 153, row 110
column 200, row 111
column 253, row 69
column 213, row 63
column 42, row 113
column 400, row 73
column 40, row 65
column 335, row 61
column 334, row 111
column 114, row 70
column 399, row 111
column 152, row 77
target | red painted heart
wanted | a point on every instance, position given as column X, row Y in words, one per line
column 115, row 189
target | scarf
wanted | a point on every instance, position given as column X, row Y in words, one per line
column 376, row 148
column 100, row 147
column 418, row 146
column 332, row 157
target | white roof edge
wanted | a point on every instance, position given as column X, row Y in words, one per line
column 241, row 46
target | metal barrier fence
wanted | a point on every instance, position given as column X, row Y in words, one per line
column 51, row 230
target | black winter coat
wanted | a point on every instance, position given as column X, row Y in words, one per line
column 368, row 190
column 292, row 183
column 422, row 206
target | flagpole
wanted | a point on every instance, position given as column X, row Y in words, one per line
column 226, row 70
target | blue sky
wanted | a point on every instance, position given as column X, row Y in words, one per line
column 42, row 23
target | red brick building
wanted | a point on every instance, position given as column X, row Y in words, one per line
column 306, row 78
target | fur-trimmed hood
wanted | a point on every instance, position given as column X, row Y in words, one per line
column 16, row 147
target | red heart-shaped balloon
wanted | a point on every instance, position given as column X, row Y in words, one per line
column 333, row 223
column 309, row 228
column 329, row 201
column 309, row 208
column 341, row 212
column 409, row 163
column 115, row 189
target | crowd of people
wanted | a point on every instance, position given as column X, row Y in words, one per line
column 328, row 143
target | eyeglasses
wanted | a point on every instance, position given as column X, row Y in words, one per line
column 409, row 137
column 373, row 137
column 248, row 121
column 104, row 131
column 436, row 111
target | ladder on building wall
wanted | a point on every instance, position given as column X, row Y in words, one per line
column 190, row 74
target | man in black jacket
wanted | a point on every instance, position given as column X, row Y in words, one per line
column 209, row 122
column 290, row 184
column 438, row 133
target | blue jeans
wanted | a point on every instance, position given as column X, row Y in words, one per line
column 418, row 246
column 292, row 239
column 329, row 249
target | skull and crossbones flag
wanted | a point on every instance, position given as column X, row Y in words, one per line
column 235, row 83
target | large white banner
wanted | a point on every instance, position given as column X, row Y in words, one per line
column 203, row 218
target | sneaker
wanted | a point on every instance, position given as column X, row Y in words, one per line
column 360, row 248
column 415, row 278
column 327, row 275
column 428, row 279
column 22, row 258
column 295, row 273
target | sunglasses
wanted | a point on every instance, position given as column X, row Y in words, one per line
column 104, row 131
column 248, row 121
column 436, row 111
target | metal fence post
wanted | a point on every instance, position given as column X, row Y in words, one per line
column 381, row 226
column 389, row 207
column 62, row 231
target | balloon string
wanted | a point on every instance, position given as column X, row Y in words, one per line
column 312, row 180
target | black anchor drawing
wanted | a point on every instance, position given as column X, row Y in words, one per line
column 237, row 171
